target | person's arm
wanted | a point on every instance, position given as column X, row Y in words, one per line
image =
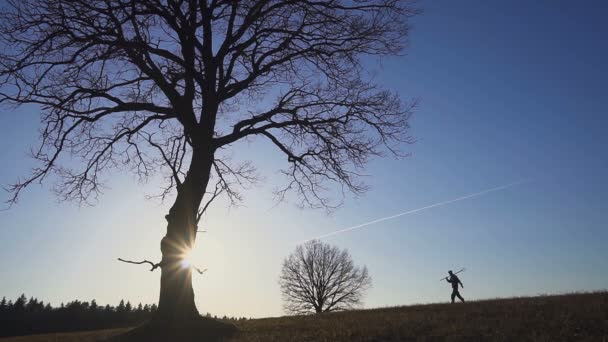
column 461, row 283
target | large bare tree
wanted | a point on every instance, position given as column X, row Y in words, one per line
column 170, row 85
column 318, row 277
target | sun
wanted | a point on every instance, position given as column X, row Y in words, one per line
column 186, row 259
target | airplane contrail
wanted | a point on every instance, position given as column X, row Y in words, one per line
column 477, row 194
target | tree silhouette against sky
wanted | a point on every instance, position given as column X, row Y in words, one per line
column 318, row 277
column 168, row 87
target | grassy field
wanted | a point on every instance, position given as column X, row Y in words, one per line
column 575, row 317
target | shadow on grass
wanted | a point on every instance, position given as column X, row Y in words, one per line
column 201, row 329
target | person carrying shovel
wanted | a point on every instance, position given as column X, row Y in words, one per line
column 454, row 280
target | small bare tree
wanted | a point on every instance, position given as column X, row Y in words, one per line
column 172, row 86
column 318, row 277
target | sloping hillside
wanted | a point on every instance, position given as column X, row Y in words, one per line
column 574, row 317
column 577, row 317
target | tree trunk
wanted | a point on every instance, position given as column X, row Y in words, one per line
column 176, row 303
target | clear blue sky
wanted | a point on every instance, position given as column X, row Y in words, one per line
column 509, row 89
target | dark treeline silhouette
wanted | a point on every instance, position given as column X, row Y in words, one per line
column 32, row 316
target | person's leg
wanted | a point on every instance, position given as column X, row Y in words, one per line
column 453, row 296
column 459, row 296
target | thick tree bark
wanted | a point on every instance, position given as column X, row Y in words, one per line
column 176, row 303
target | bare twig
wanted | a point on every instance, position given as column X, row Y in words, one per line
column 154, row 266
column 199, row 270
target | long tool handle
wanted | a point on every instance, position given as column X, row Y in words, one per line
column 462, row 270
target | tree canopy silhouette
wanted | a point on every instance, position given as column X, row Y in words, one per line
column 25, row 317
column 318, row 277
column 170, row 86
column 33, row 316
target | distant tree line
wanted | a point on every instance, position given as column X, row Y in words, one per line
column 32, row 316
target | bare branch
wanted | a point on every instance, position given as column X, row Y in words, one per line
column 199, row 270
column 154, row 266
column 165, row 87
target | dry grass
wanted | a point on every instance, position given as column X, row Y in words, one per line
column 579, row 317
column 88, row 336
column 574, row 317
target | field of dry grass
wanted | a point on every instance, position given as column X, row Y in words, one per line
column 575, row 317
column 88, row 336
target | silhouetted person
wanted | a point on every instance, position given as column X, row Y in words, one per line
column 453, row 279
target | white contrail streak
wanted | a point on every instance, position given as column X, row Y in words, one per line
column 477, row 194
